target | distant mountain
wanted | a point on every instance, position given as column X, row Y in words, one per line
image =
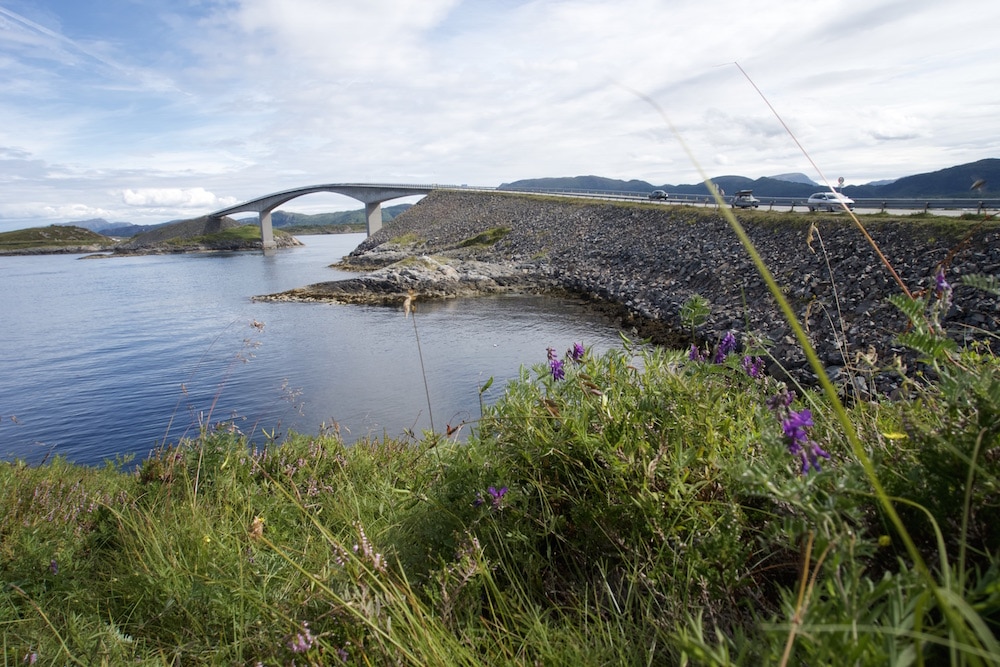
column 954, row 182
column 105, row 228
column 579, row 183
column 951, row 182
column 767, row 187
column 278, row 219
column 797, row 177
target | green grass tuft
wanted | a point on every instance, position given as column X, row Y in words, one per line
column 485, row 238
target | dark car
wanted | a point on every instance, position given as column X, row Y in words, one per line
column 658, row 194
column 744, row 199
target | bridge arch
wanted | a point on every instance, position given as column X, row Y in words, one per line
column 371, row 194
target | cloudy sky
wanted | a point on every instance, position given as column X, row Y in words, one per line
column 152, row 110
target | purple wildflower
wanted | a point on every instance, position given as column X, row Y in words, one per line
column 302, row 641
column 779, row 403
column 555, row 365
column 576, row 354
column 497, row 495
column 695, row 354
column 727, row 345
column 795, row 428
column 942, row 289
column 796, row 424
column 941, row 283
column 754, row 366
column 53, row 566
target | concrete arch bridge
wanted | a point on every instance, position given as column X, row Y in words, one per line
column 371, row 194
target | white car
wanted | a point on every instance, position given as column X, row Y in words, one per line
column 830, row 201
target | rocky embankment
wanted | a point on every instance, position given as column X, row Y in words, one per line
column 642, row 262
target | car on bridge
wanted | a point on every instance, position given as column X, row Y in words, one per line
column 744, row 199
column 658, row 194
column 831, row 201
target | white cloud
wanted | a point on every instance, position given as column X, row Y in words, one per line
column 175, row 198
column 285, row 93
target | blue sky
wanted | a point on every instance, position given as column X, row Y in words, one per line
column 152, row 110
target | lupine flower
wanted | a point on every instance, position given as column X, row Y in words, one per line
column 695, row 354
column 754, row 366
column 53, row 566
column 727, row 345
column 576, row 354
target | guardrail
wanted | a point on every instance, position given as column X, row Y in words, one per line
column 970, row 205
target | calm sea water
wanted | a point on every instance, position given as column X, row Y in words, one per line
column 110, row 357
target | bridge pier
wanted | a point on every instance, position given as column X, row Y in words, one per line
column 266, row 230
column 373, row 216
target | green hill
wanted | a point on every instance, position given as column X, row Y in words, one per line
column 53, row 238
column 202, row 233
column 281, row 219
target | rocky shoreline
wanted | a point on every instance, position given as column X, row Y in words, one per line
column 640, row 263
column 55, row 250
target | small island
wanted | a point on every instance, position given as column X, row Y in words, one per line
column 202, row 234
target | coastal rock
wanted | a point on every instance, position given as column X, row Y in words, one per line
column 425, row 276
